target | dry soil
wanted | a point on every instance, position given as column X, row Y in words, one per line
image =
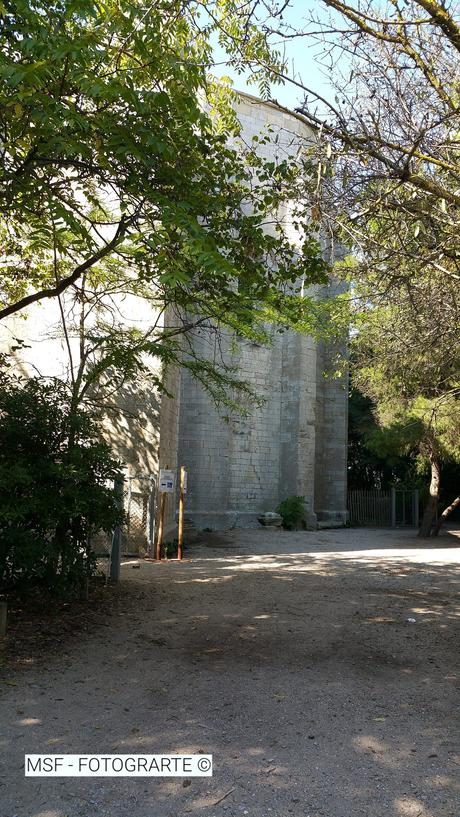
column 291, row 657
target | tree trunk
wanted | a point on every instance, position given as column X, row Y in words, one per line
column 429, row 514
column 445, row 514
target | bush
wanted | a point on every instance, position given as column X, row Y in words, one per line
column 53, row 487
column 292, row 510
column 169, row 549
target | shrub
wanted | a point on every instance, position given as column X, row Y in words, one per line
column 169, row 549
column 54, row 471
column 292, row 511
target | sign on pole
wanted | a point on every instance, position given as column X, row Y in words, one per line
column 165, row 487
column 166, row 481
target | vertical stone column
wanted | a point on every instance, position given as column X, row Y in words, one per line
column 233, row 465
column 298, row 420
column 204, row 447
column 254, row 442
column 331, row 452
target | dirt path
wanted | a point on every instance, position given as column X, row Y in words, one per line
column 289, row 657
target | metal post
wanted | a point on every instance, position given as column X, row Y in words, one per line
column 161, row 525
column 3, row 617
column 115, row 552
column 151, row 507
column 415, row 507
column 393, row 507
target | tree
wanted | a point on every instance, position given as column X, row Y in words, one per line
column 395, row 117
column 374, row 461
column 406, row 364
column 388, row 184
column 54, row 492
column 118, row 176
column 387, row 149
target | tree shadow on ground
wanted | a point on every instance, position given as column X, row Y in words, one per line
column 301, row 672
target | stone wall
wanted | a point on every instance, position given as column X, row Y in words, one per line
column 295, row 443
column 131, row 425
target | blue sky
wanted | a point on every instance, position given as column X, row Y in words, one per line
column 303, row 54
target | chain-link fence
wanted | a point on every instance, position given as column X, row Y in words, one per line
column 138, row 532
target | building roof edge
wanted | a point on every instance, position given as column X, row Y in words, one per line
column 273, row 103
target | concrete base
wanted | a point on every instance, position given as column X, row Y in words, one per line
column 332, row 519
column 224, row 520
column 171, row 531
column 311, row 520
column 270, row 520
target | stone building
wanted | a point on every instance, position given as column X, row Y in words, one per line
column 295, row 444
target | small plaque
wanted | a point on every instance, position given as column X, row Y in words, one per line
column 166, row 482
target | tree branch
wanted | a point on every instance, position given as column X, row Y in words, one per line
column 443, row 19
column 52, row 292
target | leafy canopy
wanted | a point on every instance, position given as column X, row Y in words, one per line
column 117, row 166
column 407, row 362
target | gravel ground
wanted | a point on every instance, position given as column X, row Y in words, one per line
column 288, row 656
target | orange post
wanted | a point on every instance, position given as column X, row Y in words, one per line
column 161, row 524
column 180, row 533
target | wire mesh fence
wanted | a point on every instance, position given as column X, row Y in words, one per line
column 138, row 530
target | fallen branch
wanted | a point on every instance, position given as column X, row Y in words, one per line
column 216, row 802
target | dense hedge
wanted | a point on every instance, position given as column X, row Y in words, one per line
column 55, row 487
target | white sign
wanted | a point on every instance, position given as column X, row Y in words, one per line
column 166, row 481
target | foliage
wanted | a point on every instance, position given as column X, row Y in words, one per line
column 292, row 511
column 376, row 457
column 122, row 176
column 383, row 456
column 407, row 361
column 53, row 492
column 387, row 153
column 387, row 150
column 408, row 364
column 388, row 170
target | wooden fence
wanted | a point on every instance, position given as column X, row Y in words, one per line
column 383, row 509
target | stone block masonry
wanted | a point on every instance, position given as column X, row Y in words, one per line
column 296, row 442
column 239, row 468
